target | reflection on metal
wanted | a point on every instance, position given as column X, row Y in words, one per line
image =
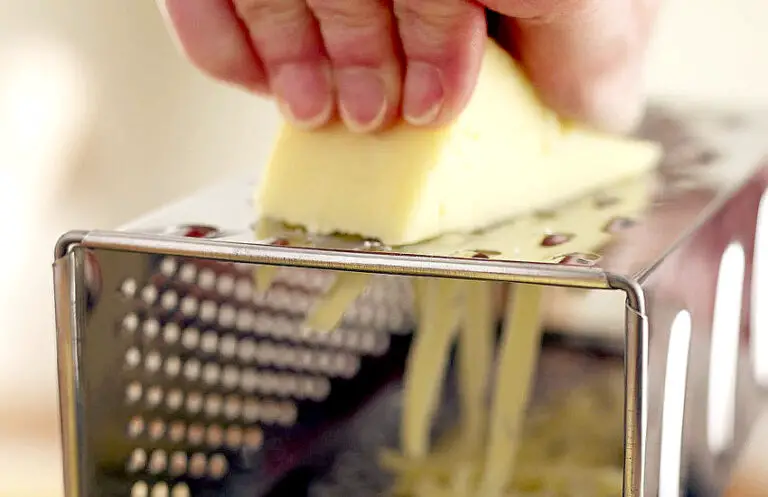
column 676, row 377
column 724, row 355
column 759, row 324
column 171, row 331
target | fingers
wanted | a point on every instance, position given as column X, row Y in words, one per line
column 322, row 56
column 211, row 35
column 360, row 39
column 443, row 43
column 584, row 56
column 287, row 38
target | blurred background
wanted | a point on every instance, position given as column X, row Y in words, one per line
column 102, row 120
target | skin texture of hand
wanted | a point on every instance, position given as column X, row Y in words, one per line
column 371, row 62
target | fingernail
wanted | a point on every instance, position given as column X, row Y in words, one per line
column 303, row 92
column 362, row 98
column 423, row 94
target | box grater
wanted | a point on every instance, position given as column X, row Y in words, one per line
column 180, row 375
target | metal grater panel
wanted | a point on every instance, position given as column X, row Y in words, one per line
column 209, row 372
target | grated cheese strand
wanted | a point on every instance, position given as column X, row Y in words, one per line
column 329, row 310
column 520, row 348
column 264, row 276
column 475, row 356
column 426, row 364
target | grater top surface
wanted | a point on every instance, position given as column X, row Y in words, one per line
column 707, row 154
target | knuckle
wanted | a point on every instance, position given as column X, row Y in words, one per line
column 268, row 11
column 434, row 13
column 351, row 14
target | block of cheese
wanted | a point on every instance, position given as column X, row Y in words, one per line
column 506, row 154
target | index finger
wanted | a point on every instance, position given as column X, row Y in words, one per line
column 584, row 56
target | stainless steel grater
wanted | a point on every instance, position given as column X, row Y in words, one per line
column 179, row 376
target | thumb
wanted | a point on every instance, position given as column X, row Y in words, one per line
column 585, row 57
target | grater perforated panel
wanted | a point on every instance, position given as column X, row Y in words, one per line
column 212, row 371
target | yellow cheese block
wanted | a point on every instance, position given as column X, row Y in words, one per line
column 506, row 154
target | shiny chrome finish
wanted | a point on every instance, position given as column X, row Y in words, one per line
column 174, row 371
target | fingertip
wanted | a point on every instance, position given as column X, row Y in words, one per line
column 443, row 43
column 304, row 93
column 423, row 94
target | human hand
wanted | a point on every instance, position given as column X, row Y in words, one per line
column 371, row 62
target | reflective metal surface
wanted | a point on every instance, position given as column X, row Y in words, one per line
column 132, row 302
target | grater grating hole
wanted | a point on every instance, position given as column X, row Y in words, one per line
column 132, row 358
column 243, row 290
column 180, row 490
column 555, row 239
column 169, row 300
column 214, row 436
column 227, row 316
column 230, row 377
column 131, row 322
column 154, row 396
column 188, row 306
column 177, row 430
column 133, row 392
column 156, row 429
column 579, row 259
column 244, row 320
column 151, row 328
column 168, row 266
column 211, row 373
column 206, row 279
column 618, row 224
column 196, row 434
column 129, row 287
column 135, row 427
column 153, row 362
column 288, row 415
column 233, row 406
column 149, row 294
column 194, row 402
column 270, row 411
column 228, row 347
column 174, row 399
column 197, row 465
column 158, row 462
column 190, row 338
column 177, row 463
column 171, row 333
column 140, row 489
column 251, row 410
column 253, row 438
column 137, row 461
column 208, row 311
column 225, row 285
column 172, row 366
column 187, row 273
column 213, row 405
column 159, row 489
column 234, row 437
column 218, row 466
column 209, row 342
